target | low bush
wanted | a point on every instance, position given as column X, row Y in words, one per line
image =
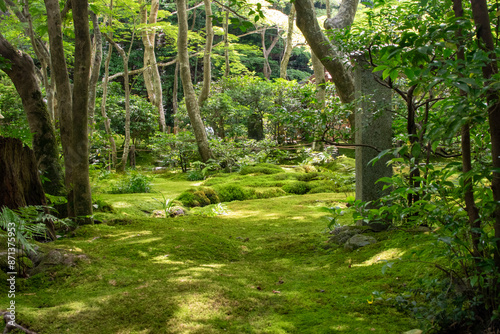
column 198, row 197
column 270, row 193
column 309, row 176
column 263, row 168
column 133, row 183
column 195, row 175
column 230, row 192
column 299, row 187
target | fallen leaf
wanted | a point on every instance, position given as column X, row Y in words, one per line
column 276, row 291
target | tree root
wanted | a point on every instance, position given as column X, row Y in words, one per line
column 11, row 325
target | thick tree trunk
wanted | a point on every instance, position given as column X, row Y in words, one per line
column 289, row 43
column 96, row 69
column 175, row 104
column 19, row 178
column 152, row 74
column 22, row 74
column 81, row 181
column 484, row 33
column 189, row 93
column 319, row 75
column 207, row 65
column 64, row 96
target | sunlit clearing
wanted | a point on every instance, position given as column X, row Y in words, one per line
column 122, row 205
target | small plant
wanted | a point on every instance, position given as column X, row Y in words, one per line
column 134, row 183
column 335, row 213
column 168, row 204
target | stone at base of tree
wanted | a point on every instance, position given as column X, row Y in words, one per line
column 343, row 233
column 358, row 241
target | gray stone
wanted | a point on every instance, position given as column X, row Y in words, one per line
column 358, row 241
column 373, row 127
column 376, row 226
column 343, row 233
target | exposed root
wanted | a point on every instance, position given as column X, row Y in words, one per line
column 10, row 324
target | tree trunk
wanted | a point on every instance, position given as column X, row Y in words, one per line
column 266, row 52
column 64, row 96
column 207, row 66
column 152, row 74
column 19, row 179
column 174, row 97
column 226, row 44
column 319, row 77
column 81, row 182
column 483, row 26
column 126, row 144
column 289, row 43
column 107, row 121
column 96, row 69
column 22, row 74
column 189, row 93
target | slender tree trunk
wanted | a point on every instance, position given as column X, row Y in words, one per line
column 226, row 44
column 96, row 69
column 289, row 43
column 81, row 181
column 64, row 95
column 266, row 52
column 22, row 74
column 189, row 93
column 484, row 34
column 207, row 65
column 107, row 121
column 126, row 144
column 152, row 74
column 175, row 97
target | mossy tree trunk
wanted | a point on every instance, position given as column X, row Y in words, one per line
column 22, row 73
column 19, row 178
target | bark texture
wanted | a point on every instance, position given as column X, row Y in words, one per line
column 64, row 96
column 96, row 68
column 22, row 74
column 19, row 179
column 151, row 73
column 81, row 182
column 289, row 43
column 207, row 64
column 324, row 50
column 189, row 93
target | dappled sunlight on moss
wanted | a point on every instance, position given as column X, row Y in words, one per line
column 133, row 234
column 389, row 254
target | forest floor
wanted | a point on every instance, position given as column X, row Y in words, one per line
column 264, row 267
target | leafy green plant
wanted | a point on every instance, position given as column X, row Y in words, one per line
column 332, row 218
column 299, row 187
column 133, row 183
column 168, row 205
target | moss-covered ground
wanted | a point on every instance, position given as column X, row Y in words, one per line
column 264, row 267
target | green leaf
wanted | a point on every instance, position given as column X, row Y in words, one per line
column 3, row 7
column 416, row 149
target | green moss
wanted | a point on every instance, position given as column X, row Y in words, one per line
column 263, row 168
column 299, row 188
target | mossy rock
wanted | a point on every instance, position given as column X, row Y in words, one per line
column 211, row 195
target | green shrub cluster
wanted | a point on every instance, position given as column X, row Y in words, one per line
column 232, row 192
column 299, row 187
column 199, row 197
column 264, row 168
column 133, row 183
column 195, row 175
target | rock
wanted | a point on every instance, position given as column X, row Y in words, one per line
column 343, row 233
column 56, row 257
column 178, row 211
column 359, row 240
column 375, row 226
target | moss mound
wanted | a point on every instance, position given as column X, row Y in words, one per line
column 263, row 168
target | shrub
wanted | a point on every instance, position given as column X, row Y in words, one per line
column 195, row 175
column 323, row 189
column 299, row 187
column 263, row 168
column 230, row 192
column 133, row 183
column 198, row 197
column 309, row 176
column 282, row 176
column 270, row 193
